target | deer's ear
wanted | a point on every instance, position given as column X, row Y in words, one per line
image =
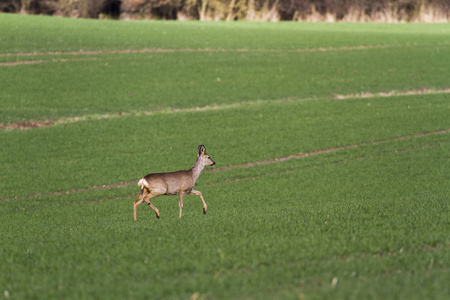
column 201, row 149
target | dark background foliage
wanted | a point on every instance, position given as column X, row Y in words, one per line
column 254, row 10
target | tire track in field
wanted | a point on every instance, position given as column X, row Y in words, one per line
column 364, row 95
column 325, row 151
column 187, row 50
column 173, row 50
column 40, row 61
column 161, row 50
column 337, row 162
column 246, row 165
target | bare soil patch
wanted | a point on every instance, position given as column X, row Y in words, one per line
column 40, row 61
column 422, row 91
column 26, row 125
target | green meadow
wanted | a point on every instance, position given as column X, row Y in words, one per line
column 331, row 143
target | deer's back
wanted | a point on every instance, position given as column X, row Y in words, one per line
column 170, row 183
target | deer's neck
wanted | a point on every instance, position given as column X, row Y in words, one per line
column 197, row 169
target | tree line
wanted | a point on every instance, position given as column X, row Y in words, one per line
column 251, row 10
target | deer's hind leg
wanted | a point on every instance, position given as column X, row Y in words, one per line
column 147, row 200
column 139, row 201
column 198, row 193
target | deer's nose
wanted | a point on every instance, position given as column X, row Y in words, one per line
column 213, row 163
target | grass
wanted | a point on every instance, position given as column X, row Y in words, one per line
column 39, row 33
column 76, row 155
column 368, row 219
column 144, row 82
column 288, row 240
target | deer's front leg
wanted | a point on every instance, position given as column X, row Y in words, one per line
column 194, row 192
column 181, row 196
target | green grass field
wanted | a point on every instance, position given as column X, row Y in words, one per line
column 331, row 143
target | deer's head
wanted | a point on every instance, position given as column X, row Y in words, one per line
column 204, row 157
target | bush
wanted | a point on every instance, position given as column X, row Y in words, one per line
column 253, row 10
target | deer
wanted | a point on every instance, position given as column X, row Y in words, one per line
column 173, row 183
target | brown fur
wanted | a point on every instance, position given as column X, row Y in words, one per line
column 173, row 183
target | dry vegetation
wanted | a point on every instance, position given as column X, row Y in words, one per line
column 251, row 10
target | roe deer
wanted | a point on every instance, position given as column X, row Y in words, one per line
column 173, row 183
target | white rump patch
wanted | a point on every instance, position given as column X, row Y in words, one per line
column 143, row 183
